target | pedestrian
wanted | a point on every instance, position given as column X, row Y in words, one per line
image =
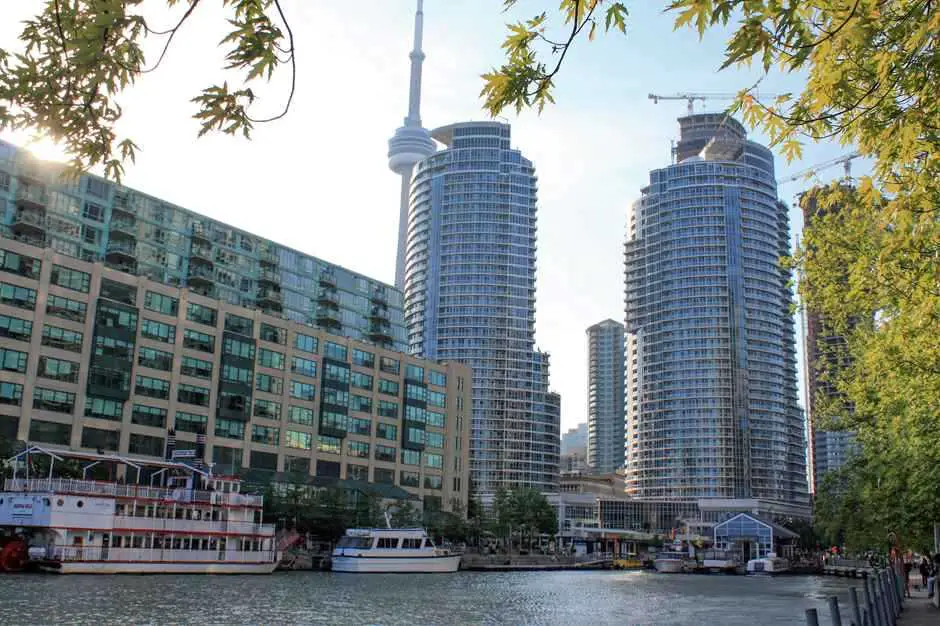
column 924, row 568
column 908, row 566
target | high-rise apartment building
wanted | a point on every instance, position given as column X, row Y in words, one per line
column 114, row 351
column 470, row 297
column 94, row 220
column 574, row 449
column 825, row 350
column 711, row 383
column 606, row 415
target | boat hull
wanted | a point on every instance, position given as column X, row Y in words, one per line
column 111, row 567
column 669, row 566
column 396, row 565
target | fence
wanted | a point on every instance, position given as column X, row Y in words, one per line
column 880, row 605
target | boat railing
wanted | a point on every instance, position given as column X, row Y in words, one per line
column 99, row 488
column 188, row 525
column 157, row 555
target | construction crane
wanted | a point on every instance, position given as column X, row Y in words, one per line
column 692, row 97
column 845, row 160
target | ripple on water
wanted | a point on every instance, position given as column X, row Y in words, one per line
column 593, row 598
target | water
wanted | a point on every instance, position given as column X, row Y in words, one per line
column 464, row 598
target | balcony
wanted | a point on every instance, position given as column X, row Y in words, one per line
column 268, row 256
column 31, row 196
column 327, row 298
column 118, row 249
column 270, row 298
column 379, row 313
column 328, row 318
column 124, row 202
column 201, row 274
column 200, row 232
column 328, row 279
column 379, row 296
column 202, row 254
column 380, row 332
column 269, row 276
column 30, row 169
column 123, row 227
column 203, row 288
column 30, row 221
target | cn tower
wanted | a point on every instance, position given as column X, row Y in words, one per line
column 410, row 144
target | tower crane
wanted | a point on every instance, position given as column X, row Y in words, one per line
column 845, row 160
column 692, row 97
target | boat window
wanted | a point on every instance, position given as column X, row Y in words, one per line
column 411, row 543
column 355, row 542
column 428, row 543
column 387, row 542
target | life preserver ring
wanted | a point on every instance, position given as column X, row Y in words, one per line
column 14, row 556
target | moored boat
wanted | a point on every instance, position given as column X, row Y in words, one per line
column 195, row 522
column 718, row 561
column 671, row 562
column 769, row 565
column 391, row 551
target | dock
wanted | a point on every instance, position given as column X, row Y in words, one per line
column 848, row 568
column 532, row 563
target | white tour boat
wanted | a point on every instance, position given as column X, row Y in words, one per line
column 392, row 551
column 769, row 565
column 715, row 561
column 196, row 523
column 672, row 562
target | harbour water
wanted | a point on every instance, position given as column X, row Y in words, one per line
column 464, row 598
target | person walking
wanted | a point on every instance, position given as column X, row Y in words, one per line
column 908, row 566
column 924, row 568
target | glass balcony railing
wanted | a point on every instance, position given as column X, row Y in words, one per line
column 125, row 248
column 31, row 195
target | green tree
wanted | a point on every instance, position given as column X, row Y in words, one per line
column 79, row 55
column 523, row 511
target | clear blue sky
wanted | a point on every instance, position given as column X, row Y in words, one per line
column 318, row 180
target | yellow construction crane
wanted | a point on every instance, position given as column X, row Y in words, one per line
column 692, row 97
column 845, row 160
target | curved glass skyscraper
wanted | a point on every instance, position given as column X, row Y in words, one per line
column 711, row 384
column 470, row 297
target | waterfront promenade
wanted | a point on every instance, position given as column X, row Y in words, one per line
column 918, row 611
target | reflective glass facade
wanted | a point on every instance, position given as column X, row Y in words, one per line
column 606, row 416
column 711, row 384
column 470, row 297
column 95, row 220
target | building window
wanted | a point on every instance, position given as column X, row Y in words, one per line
column 70, row 279
column 336, row 373
column 360, row 381
column 197, row 368
column 415, row 373
column 57, row 369
column 20, row 297
column 363, row 358
column 191, row 394
column 239, row 348
column 410, row 457
column 302, row 391
column 111, row 316
column 386, row 431
column 234, row 402
column 388, row 409
column 360, row 426
column 158, row 331
column 146, row 445
column 303, row 367
column 335, row 397
column 388, row 386
column 389, row 365
column 50, row 432
column 144, row 415
column 152, row 387
column 306, row 343
column 161, row 303
column 201, row 314
column 191, row 422
column 416, row 392
column 357, row 449
column 13, row 360
column 438, row 379
column 409, row 479
column 415, row 414
column 330, row 445
column 104, row 408
column 357, row 472
column 298, row 440
column 53, row 400
column 267, row 409
column 335, row 351
column 385, row 453
column 333, row 420
column 114, row 348
column 263, row 460
column 98, row 188
column 19, row 264
column 119, row 292
column 100, row 439
column 273, row 334
column 238, row 324
column 433, row 460
column 229, row 429
column 328, row 468
column 296, row 465
column 269, row 384
column 433, row 482
column 383, row 476
column 198, row 341
column 414, row 435
column 233, row 374
column 105, row 379
column 271, row 359
column 360, row 403
column 437, row 398
column 265, row 434
column 11, row 393
column 66, row 308
column 155, row 359
column 434, row 440
column 435, row 419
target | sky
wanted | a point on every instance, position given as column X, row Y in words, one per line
column 318, row 180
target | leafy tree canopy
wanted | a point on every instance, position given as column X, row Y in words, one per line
column 526, row 511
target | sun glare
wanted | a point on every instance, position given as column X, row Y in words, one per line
column 46, row 149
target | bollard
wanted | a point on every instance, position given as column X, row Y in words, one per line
column 870, row 618
column 887, row 606
column 834, row 611
column 856, row 611
column 812, row 619
column 899, row 590
column 880, row 601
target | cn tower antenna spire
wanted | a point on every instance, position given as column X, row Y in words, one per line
column 411, row 144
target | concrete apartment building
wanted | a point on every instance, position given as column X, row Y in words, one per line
column 95, row 355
